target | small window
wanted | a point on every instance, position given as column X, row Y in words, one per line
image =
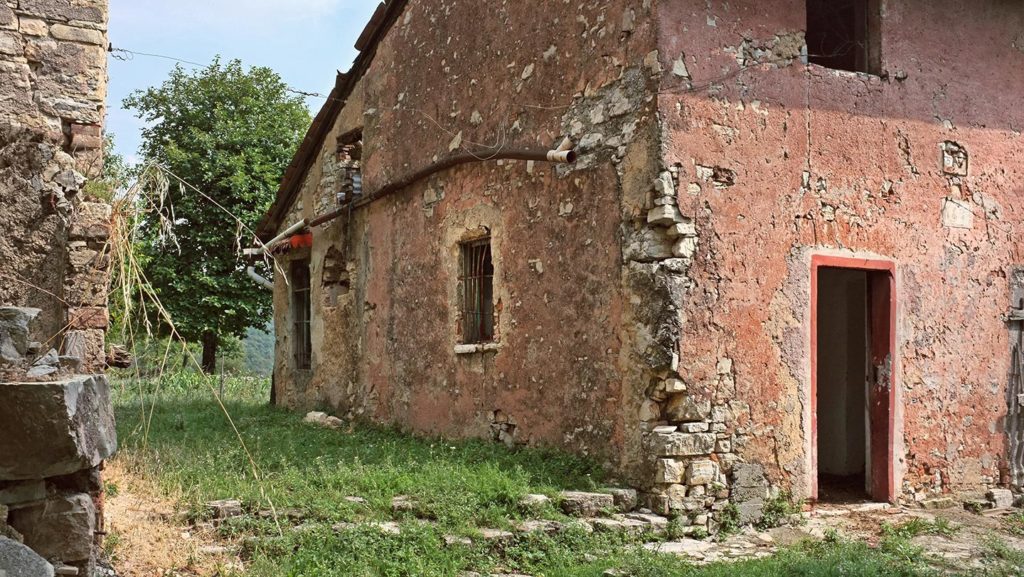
column 301, row 313
column 477, row 281
column 845, row 34
column 350, row 159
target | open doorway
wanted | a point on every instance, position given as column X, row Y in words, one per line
column 843, row 424
column 853, row 319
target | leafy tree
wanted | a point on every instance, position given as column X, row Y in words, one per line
column 230, row 133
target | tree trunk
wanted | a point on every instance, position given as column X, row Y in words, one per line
column 210, row 341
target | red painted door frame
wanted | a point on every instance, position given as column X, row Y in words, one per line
column 882, row 393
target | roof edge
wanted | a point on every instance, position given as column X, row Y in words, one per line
column 383, row 19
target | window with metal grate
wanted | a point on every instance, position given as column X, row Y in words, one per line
column 477, row 280
column 301, row 313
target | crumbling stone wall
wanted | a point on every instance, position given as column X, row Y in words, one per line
column 52, row 90
column 777, row 161
column 56, row 426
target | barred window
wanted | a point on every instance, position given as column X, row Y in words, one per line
column 301, row 313
column 477, row 280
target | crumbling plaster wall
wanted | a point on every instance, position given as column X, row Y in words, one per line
column 52, row 90
column 562, row 372
column 780, row 160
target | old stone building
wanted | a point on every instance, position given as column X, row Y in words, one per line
column 56, row 422
column 785, row 259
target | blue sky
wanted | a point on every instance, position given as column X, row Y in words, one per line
column 305, row 41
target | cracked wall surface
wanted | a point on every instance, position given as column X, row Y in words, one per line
column 387, row 348
column 921, row 165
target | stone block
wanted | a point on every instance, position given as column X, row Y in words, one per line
column 694, row 427
column 676, row 495
column 64, row 10
column 62, row 527
column 11, row 44
column 665, row 215
column 85, row 259
column 750, row 512
column 1000, row 498
column 14, row 332
column 650, row 411
column 75, row 34
column 748, row 483
column 685, row 247
column 701, row 472
column 664, row 185
column 87, row 345
column 683, row 444
column 683, row 229
column 583, row 504
column 17, row 493
column 534, row 502
column 83, row 142
column 17, row 560
column 674, row 386
column 92, row 222
column 88, row 288
column 54, row 429
column 33, row 27
column 669, row 471
column 225, row 508
column 647, row 245
column 625, row 499
column 88, row 318
column 685, row 408
column 7, row 18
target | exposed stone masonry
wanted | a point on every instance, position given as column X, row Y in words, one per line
column 56, row 421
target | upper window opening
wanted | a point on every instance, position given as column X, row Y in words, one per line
column 350, row 159
column 302, row 313
column 477, row 279
column 844, row 34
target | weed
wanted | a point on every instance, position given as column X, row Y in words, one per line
column 729, row 520
column 111, row 543
column 917, row 526
column 1015, row 523
column 110, row 489
column 778, row 510
column 675, row 529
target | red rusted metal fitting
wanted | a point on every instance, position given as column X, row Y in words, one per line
column 302, row 240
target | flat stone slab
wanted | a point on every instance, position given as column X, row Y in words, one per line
column 582, row 504
column 17, row 560
column 55, row 429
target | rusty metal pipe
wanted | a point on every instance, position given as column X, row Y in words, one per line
column 564, row 154
column 560, row 156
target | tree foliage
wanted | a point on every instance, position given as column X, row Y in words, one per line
column 231, row 133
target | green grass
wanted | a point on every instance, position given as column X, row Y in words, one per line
column 191, row 455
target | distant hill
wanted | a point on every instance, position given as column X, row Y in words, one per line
column 258, row 348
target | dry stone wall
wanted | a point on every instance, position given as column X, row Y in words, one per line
column 56, row 422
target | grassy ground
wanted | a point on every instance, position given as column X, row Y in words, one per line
column 189, row 454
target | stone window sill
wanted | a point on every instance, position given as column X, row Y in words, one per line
column 477, row 348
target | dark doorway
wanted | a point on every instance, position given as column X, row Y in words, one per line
column 843, row 345
column 853, row 338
